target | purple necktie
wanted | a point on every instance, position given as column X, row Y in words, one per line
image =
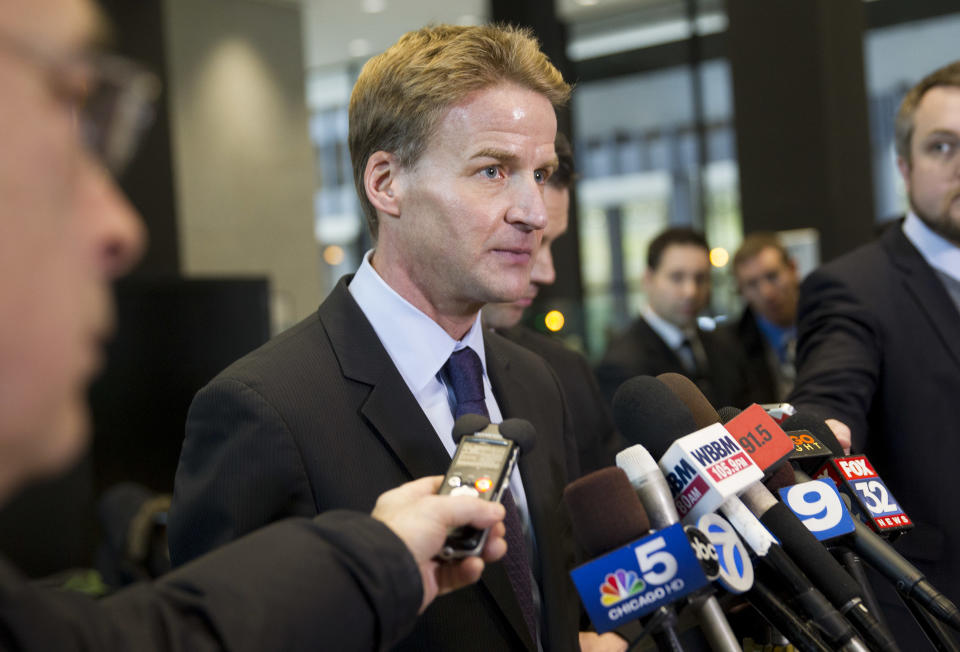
column 465, row 373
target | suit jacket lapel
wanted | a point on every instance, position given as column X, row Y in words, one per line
column 923, row 284
column 390, row 408
column 655, row 347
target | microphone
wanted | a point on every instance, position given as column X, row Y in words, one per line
column 651, row 488
column 629, row 577
column 643, row 406
column 871, row 499
column 779, row 411
column 808, row 452
column 906, row 578
column 706, row 470
column 772, row 446
column 481, row 467
column 520, row 431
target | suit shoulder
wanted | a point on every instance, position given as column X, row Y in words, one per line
column 866, row 267
column 304, row 345
column 516, row 354
column 555, row 353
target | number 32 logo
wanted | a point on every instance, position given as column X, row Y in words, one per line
column 876, row 497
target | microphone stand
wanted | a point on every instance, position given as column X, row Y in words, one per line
column 662, row 627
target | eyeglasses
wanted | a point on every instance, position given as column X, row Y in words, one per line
column 112, row 98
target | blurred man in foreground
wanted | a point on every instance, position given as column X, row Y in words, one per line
column 67, row 232
column 666, row 336
column 767, row 330
column 878, row 347
column 598, row 441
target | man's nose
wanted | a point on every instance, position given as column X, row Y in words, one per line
column 543, row 273
column 527, row 209
column 119, row 236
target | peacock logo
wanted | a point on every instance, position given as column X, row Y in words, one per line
column 619, row 586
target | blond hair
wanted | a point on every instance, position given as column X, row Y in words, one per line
column 949, row 75
column 402, row 94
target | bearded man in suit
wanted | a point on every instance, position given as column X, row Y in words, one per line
column 452, row 141
column 878, row 349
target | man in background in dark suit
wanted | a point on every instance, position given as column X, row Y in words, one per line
column 451, row 134
column 67, row 233
column 666, row 336
column 598, row 441
column 879, row 347
column 767, row 279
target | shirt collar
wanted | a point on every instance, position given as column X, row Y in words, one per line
column 776, row 336
column 939, row 252
column 667, row 331
column 418, row 346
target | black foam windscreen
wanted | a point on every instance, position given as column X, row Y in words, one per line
column 810, row 554
column 605, row 511
column 728, row 413
column 468, row 424
column 649, row 414
column 688, row 392
column 806, row 419
column 521, row 431
column 783, row 477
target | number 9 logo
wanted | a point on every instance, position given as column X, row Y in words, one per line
column 815, row 504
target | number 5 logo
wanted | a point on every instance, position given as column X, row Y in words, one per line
column 651, row 555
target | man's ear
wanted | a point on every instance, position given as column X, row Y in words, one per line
column 647, row 278
column 904, row 166
column 382, row 184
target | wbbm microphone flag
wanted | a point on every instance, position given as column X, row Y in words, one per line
column 636, row 579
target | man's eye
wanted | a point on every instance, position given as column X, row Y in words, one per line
column 491, row 172
column 942, row 147
column 540, row 176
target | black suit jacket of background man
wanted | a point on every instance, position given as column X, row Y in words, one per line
column 319, row 418
column 879, row 349
column 641, row 351
column 598, row 440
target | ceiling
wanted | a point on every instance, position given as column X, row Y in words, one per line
column 336, row 32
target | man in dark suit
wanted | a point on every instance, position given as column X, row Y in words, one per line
column 598, row 441
column 666, row 337
column 767, row 279
column 358, row 582
column 451, row 138
column 878, row 346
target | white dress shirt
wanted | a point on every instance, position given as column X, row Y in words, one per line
column 939, row 252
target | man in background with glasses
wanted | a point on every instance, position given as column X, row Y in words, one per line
column 68, row 119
